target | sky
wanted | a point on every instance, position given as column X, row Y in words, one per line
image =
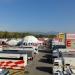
column 37, row 15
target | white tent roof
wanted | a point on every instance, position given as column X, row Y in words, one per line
column 30, row 39
column 12, row 42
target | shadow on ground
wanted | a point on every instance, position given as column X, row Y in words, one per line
column 45, row 69
column 48, row 55
column 44, row 51
column 49, row 61
column 48, row 58
column 44, row 60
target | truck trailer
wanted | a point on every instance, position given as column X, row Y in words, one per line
column 10, row 60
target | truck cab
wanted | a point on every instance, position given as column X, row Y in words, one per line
column 57, row 65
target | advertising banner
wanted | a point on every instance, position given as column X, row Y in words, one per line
column 70, row 43
column 70, row 36
column 62, row 38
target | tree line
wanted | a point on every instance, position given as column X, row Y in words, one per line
column 5, row 34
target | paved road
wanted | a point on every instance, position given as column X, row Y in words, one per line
column 40, row 64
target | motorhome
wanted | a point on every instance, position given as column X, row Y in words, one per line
column 25, row 48
column 22, row 50
column 35, row 48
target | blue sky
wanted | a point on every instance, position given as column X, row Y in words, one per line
column 37, row 15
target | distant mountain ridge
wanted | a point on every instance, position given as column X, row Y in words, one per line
column 45, row 33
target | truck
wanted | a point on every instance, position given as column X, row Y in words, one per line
column 22, row 50
column 12, row 60
column 69, row 59
column 58, row 66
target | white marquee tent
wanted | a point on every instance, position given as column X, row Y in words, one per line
column 12, row 42
column 29, row 40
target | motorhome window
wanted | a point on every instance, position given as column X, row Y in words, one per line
column 56, row 64
column 21, row 58
column 25, row 44
column 27, row 47
column 29, row 54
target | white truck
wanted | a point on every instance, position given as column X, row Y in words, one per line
column 58, row 66
column 69, row 59
column 22, row 50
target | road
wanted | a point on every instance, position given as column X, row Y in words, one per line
column 40, row 64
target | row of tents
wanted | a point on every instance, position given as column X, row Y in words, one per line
column 28, row 40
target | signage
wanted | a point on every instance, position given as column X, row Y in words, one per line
column 70, row 36
column 68, row 43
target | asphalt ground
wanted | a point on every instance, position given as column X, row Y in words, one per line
column 41, row 65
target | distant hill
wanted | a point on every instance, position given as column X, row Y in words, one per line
column 52, row 32
column 45, row 33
